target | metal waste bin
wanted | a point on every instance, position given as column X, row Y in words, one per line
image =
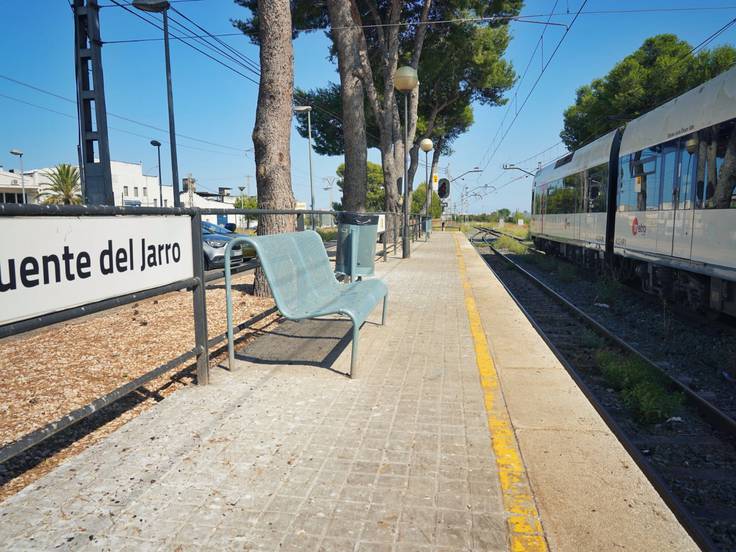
column 356, row 244
column 428, row 225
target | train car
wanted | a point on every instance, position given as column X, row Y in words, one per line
column 570, row 200
column 670, row 212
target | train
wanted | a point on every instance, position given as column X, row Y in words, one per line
column 653, row 200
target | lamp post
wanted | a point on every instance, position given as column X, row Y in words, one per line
column 162, row 6
column 427, row 146
column 308, row 110
column 19, row 154
column 406, row 80
column 242, row 205
column 156, row 144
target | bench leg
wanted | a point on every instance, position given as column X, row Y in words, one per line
column 354, row 353
column 383, row 317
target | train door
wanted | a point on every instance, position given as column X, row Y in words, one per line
column 667, row 210
column 682, row 237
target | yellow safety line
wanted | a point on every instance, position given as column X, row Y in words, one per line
column 525, row 529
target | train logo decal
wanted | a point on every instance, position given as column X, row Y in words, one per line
column 637, row 228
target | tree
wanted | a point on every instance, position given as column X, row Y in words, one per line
column 63, row 187
column 419, row 199
column 272, row 128
column 374, row 178
column 246, row 202
column 659, row 70
column 503, row 213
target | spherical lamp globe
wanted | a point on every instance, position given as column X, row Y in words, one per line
column 405, row 79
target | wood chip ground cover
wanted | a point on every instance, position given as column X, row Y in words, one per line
column 48, row 373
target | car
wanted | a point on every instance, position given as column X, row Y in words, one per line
column 214, row 240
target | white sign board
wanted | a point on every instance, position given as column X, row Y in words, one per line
column 48, row 264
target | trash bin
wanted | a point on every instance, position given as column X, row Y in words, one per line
column 428, row 225
column 356, row 244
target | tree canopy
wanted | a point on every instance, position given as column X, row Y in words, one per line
column 63, row 187
column 419, row 198
column 375, row 196
column 659, row 70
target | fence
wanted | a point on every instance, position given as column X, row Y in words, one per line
column 195, row 283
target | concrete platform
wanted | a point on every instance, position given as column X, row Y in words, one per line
column 459, row 431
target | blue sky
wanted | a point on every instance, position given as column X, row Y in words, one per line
column 219, row 106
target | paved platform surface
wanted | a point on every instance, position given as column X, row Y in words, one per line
column 400, row 458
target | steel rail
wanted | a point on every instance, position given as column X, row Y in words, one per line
column 678, row 508
column 681, row 513
column 708, row 410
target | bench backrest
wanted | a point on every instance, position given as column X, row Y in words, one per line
column 297, row 269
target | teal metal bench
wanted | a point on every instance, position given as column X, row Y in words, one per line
column 303, row 284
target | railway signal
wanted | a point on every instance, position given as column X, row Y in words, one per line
column 443, row 188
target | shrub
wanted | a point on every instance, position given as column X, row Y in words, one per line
column 651, row 402
column 511, row 245
column 327, row 234
column 643, row 390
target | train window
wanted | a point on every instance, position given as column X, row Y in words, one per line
column 646, row 169
column 560, row 198
column 669, row 174
column 716, row 173
column 688, row 167
column 573, row 191
column 596, row 189
column 626, row 184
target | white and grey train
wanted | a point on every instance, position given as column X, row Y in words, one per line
column 655, row 200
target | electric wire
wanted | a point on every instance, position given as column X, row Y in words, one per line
column 121, row 117
column 70, row 116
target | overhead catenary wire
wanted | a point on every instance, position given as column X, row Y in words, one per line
column 70, row 116
column 517, row 18
column 518, row 86
column 536, row 82
column 692, row 51
column 245, row 64
column 121, row 117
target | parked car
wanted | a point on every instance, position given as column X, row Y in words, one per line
column 214, row 240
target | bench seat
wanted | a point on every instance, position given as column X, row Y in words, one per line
column 303, row 283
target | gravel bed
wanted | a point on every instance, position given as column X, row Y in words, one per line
column 700, row 354
column 693, row 460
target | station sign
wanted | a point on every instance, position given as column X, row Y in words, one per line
column 48, row 264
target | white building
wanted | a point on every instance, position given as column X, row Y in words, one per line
column 11, row 187
column 132, row 188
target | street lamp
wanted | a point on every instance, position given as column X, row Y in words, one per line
column 161, row 6
column 19, row 154
column 427, row 146
column 511, row 166
column 308, row 110
column 406, row 80
column 242, row 205
column 330, row 183
column 156, row 144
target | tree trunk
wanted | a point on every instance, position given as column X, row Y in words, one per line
column 272, row 129
column 346, row 36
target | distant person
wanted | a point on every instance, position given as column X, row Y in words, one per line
column 443, row 225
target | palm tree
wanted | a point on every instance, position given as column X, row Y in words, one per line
column 63, row 188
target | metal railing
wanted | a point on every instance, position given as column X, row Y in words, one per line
column 195, row 284
column 390, row 240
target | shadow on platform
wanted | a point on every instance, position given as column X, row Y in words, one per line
column 306, row 342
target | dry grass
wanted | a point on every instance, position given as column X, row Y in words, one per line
column 47, row 373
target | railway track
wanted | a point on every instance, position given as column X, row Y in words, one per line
column 689, row 457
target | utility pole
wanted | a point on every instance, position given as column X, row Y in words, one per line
column 92, row 114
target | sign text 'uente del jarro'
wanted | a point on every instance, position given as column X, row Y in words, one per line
column 49, row 264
